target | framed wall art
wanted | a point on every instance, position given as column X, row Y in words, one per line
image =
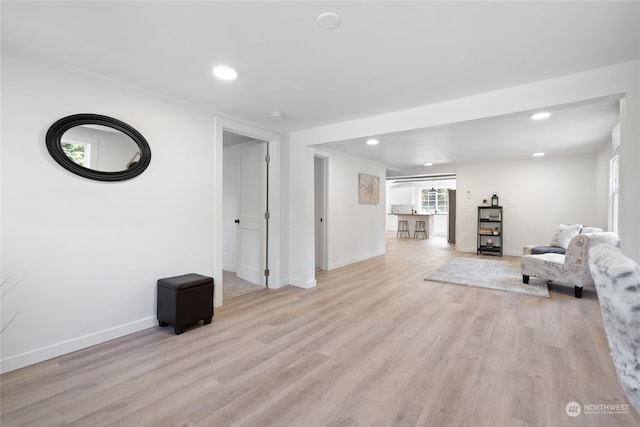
column 369, row 189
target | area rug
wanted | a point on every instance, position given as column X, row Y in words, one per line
column 490, row 274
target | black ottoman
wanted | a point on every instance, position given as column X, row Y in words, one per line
column 185, row 300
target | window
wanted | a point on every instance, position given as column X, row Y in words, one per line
column 434, row 200
column 79, row 152
column 614, row 170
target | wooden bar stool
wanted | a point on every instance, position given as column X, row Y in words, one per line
column 403, row 229
column 420, row 231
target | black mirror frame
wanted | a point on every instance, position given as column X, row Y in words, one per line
column 54, row 136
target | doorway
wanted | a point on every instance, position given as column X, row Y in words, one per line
column 426, row 195
column 245, row 215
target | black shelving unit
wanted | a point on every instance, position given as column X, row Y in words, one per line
column 490, row 231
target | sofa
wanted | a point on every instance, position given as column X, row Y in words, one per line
column 570, row 268
column 617, row 281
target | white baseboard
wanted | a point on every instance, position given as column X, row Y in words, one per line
column 283, row 282
column 45, row 353
column 305, row 284
column 343, row 263
column 467, row 249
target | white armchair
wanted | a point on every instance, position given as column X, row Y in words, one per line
column 571, row 268
column 617, row 281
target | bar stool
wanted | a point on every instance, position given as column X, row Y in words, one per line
column 403, row 228
column 421, row 230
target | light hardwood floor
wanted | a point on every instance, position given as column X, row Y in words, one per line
column 372, row 345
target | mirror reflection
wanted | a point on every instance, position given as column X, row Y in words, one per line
column 100, row 148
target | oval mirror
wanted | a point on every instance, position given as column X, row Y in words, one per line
column 98, row 147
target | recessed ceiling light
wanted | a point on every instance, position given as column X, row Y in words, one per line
column 428, row 164
column 372, row 142
column 225, row 72
column 541, row 115
column 328, row 20
column 538, row 154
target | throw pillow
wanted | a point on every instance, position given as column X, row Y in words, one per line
column 590, row 230
column 564, row 234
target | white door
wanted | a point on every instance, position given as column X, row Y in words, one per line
column 252, row 208
column 320, row 184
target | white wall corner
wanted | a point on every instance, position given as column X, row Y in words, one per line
column 350, row 261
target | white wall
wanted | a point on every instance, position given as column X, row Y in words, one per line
column 86, row 255
column 537, row 195
column 298, row 184
column 629, row 206
column 355, row 231
column 285, row 234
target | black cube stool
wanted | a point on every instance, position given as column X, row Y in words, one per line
column 185, row 300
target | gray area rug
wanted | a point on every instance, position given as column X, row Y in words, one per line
column 490, row 274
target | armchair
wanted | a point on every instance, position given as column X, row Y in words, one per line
column 571, row 268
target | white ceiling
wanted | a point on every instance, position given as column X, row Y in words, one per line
column 571, row 130
column 384, row 56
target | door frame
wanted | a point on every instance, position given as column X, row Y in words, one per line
column 273, row 247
